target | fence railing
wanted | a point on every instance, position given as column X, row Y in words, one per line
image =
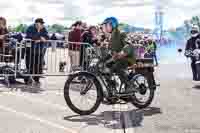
column 31, row 58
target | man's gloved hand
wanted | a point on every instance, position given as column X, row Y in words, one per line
column 188, row 53
column 196, row 52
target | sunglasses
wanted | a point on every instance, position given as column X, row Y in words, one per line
column 194, row 32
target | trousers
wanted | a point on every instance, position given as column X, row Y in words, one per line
column 34, row 62
column 119, row 67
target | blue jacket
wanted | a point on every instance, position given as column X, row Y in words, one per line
column 33, row 34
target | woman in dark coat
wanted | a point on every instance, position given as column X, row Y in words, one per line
column 3, row 32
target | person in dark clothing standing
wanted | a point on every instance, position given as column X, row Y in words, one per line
column 196, row 54
column 89, row 37
column 35, row 54
column 190, row 47
column 3, row 32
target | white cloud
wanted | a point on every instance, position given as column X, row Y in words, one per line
column 18, row 11
column 136, row 12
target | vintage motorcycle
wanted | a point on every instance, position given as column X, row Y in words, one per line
column 97, row 84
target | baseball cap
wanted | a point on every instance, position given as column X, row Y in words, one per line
column 39, row 20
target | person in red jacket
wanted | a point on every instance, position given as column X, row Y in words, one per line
column 75, row 36
column 74, row 39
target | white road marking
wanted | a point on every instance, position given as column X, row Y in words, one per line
column 35, row 118
column 37, row 100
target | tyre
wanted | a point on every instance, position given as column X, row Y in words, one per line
column 143, row 90
column 27, row 80
column 9, row 75
column 89, row 83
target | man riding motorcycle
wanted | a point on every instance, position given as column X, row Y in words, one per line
column 190, row 47
column 122, row 52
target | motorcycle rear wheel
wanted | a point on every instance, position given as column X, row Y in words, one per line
column 143, row 88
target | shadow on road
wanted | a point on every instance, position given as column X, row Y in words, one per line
column 196, row 87
column 22, row 87
column 115, row 119
column 30, row 89
column 151, row 111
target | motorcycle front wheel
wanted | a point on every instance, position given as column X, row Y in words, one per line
column 83, row 93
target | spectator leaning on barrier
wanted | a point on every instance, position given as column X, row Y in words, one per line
column 3, row 32
column 74, row 39
column 35, row 54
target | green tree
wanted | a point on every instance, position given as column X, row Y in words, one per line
column 21, row 28
column 56, row 28
column 123, row 26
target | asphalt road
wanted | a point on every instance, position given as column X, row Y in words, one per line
column 175, row 109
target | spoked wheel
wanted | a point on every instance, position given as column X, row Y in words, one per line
column 83, row 93
column 9, row 75
column 144, row 95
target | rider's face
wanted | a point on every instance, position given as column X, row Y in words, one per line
column 104, row 28
column 108, row 28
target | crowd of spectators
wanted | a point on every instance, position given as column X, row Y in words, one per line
column 77, row 38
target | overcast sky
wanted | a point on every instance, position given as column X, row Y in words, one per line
column 135, row 12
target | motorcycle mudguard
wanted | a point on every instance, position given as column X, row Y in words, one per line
column 92, row 75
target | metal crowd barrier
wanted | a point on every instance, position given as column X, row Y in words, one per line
column 30, row 58
column 56, row 58
column 34, row 59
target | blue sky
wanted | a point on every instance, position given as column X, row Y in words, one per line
column 135, row 12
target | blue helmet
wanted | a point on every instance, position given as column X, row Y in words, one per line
column 111, row 20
